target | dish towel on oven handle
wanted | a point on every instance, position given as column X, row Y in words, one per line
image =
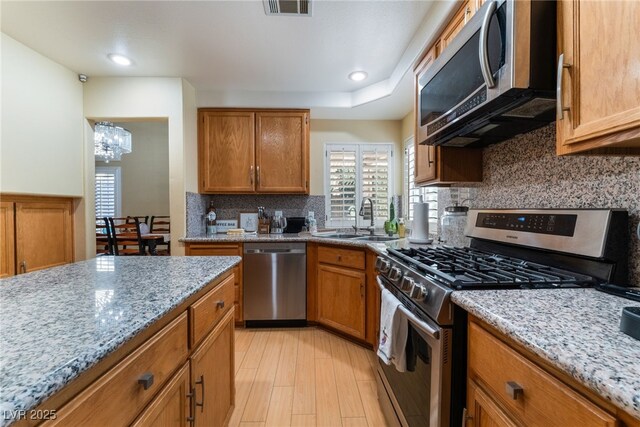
column 392, row 342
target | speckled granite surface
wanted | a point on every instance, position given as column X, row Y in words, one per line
column 577, row 330
column 57, row 323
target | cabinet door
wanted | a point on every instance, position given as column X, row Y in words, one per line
column 341, row 299
column 282, row 152
column 7, row 240
column 226, row 151
column 456, row 24
column 212, row 376
column 44, row 235
column 600, row 85
column 425, row 155
column 171, row 406
column 483, row 411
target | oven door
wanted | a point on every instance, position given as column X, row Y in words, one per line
column 420, row 396
column 472, row 70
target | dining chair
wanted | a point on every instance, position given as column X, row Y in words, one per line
column 141, row 219
column 104, row 243
column 126, row 237
column 161, row 224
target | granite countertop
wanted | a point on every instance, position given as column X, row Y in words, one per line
column 57, row 323
column 576, row 330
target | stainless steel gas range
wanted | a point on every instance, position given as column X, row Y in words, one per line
column 509, row 249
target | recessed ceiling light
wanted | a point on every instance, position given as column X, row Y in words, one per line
column 357, row 76
column 119, row 59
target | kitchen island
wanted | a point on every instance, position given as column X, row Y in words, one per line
column 66, row 325
column 568, row 332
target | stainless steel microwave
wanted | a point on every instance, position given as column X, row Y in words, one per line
column 496, row 79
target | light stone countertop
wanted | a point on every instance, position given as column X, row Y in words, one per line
column 576, row 330
column 59, row 322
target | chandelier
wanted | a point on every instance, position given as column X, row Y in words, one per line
column 111, row 142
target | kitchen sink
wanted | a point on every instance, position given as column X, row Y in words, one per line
column 377, row 238
column 338, row 236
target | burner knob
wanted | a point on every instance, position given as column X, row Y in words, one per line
column 382, row 265
column 418, row 292
column 407, row 283
column 395, row 274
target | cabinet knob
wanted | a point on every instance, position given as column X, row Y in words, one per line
column 514, row 390
column 146, row 380
column 220, row 304
column 23, row 266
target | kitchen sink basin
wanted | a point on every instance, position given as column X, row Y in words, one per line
column 377, row 238
column 338, row 236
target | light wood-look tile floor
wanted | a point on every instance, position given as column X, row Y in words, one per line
column 303, row 377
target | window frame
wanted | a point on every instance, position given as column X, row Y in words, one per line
column 116, row 171
column 359, row 148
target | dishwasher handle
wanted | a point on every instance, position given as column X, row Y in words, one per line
column 274, row 251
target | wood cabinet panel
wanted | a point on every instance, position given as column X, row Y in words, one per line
column 44, row 234
column 352, row 258
column 282, row 152
column 171, row 407
column 223, row 249
column 341, row 299
column 7, row 240
column 117, row 397
column 600, row 85
column 208, row 310
column 226, row 151
column 212, row 376
column 456, row 24
column 483, row 410
column 543, row 400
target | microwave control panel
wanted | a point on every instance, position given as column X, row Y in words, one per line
column 475, row 100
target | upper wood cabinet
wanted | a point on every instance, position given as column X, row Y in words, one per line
column 253, row 151
column 442, row 165
column 35, row 233
column 599, row 83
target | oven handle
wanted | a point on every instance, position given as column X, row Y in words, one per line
column 422, row 326
column 483, row 48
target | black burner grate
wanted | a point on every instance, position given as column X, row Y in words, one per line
column 466, row 268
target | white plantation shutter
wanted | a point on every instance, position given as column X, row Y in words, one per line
column 354, row 171
column 342, row 184
column 107, row 192
column 413, row 193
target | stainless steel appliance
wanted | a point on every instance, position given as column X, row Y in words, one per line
column 496, row 79
column 275, row 283
column 509, row 249
column 278, row 223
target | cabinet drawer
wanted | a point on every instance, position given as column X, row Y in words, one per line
column 343, row 257
column 544, row 400
column 117, row 397
column 216, row 249
column 206, row 312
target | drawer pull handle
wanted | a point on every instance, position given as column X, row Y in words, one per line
column 339, row 258
column 201, row 404
column 514, row 390
column 23, row 266
column 146, row 380
column 192, row 405
column 220, row 304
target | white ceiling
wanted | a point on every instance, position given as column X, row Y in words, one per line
column 237, row 56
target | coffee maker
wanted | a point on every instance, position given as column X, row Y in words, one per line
column 278, row 223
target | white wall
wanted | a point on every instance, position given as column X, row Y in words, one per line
column 336, row 131
column 144, row 98
column 144, row 172
column 41, row 146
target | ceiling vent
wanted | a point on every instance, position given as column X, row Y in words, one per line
column 287, row 7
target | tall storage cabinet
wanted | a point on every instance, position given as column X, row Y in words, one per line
column 36, row 233
column 253, row 151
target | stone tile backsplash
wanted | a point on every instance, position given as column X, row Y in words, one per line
column 525, row 172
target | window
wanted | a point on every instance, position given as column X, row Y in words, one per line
column 355, row 171
column 108, row 192
column 413, row 193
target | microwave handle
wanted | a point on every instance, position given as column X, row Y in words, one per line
column 483, row 50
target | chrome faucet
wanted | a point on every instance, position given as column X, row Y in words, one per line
column 363, row 214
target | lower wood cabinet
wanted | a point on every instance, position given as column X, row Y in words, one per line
column 506, row 388
column 212, row 376
column 223, row 249
column 165, row 381
column 35, row 233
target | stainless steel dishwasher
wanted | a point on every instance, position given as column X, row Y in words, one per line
column 275, row 283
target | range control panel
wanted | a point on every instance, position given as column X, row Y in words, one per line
column 551, row 223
